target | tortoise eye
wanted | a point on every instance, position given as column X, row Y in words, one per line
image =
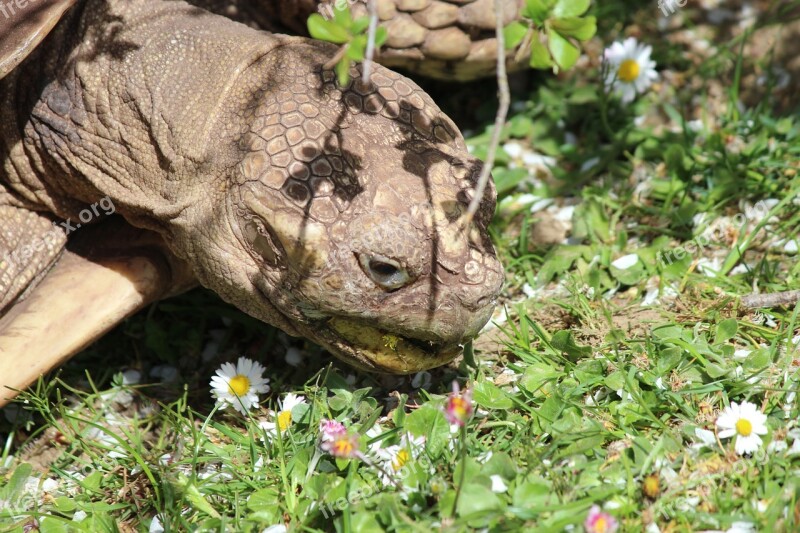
column 263, row 243
column 386, row 273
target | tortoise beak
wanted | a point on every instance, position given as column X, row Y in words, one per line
column 377, row 350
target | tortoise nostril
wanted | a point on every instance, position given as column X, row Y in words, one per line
column 386, row 273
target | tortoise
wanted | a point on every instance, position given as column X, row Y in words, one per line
column 148, row 146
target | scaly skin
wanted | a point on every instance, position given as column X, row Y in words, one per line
column 327, row 212
column 29, row 245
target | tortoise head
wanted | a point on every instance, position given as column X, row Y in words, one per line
column 346, row 214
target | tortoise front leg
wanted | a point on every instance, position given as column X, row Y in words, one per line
column 29, row 245
column 92, row 287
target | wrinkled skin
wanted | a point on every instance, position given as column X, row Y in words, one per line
column 327, row 212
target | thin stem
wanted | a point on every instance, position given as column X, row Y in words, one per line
column 346, row 516
column 463, row 473
column 201, row 434
column 373, row 28
column 604, row 69
column 499, row 120
column 287, row 486
column 336, row 57
column 376, row 466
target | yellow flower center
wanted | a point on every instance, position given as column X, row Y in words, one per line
column 400, row 459
column 601, row 525
column 744, row 427
column 458, row 408
column 628, row 70
column 284, row 420
column 239, row 385
column 651, row 487
column 343, row 447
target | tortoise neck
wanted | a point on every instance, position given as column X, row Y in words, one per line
column 127, row 106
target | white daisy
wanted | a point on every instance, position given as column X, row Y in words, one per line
column 744, row 421
column 395, row 457
column 372, row 433
column 283, row 418
column 630, row 69
column 398, row 456
column 240, row 385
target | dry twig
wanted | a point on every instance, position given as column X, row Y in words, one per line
column 331, row 64
column 373, row 28
column 775, row 299
column 499, row 121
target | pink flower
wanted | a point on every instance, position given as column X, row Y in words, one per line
column 458, row 408
column 337, row 441
column 330, row 429
column 599, row 522
column 343, row 445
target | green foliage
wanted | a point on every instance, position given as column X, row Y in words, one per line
column 429, row 422
column 587, row 394
column 350, row 33
column 552, row 30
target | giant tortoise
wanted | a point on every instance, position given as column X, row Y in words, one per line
column 230, row 158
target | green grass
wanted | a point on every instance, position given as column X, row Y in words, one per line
column 582, row 394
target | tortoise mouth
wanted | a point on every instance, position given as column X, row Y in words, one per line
column 378, row 350
column 370, row 348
